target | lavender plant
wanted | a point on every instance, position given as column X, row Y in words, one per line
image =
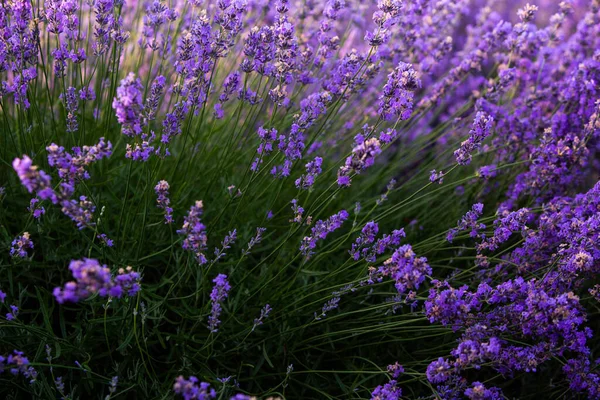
column 402, row 197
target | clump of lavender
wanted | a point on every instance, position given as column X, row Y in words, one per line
column 219, row 293
column 256, row 106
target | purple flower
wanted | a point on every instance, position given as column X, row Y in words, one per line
column 219, row 293
column 128, row 105
column 479, row 392
column 71, row 167
column 162, row 201
column 256, row 239
column 396, row 100
column 436, row 177
column 81, row 212
column 16, row 363
column 264, row 313
column 363, row 156
column 229, row 239
column 36, row 211
column 267, row 138
column 389, row 391
column 469, row 222
column 93, row 278
column 298, row 212
column 71, row 103
column 439, row 371
column 192, row 389
column 395, row 369
column 106, row 240
column 405, row 268
column 20, row 245
column 481, row 129
column 195, row 233
column 313, row 169
column 151, row 105
column 13, row 314
column 321, row 230
column 367, row 236
column 35, row 181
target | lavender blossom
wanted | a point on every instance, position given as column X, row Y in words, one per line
column 481, row 129
column 20, row 245
column 93, row 278
column 192, row 389
column 256, row 239
column 195, row 233
column 320, row 232
column 162, row 201
column 264, row 314
column 219, row 293
column 128, row 105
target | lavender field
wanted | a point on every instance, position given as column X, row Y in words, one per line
column 299, row 199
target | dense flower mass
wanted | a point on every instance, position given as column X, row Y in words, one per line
column 410, row 184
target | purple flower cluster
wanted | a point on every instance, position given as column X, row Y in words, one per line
column 363, row 156
column 264, row 314
column 218, row 294
column 405, row 268
column 193, row 389
column 396, row 100
column 16, row 363
column 267, row 138
column 229, row 239
column 93, row 278
column 391, row 390
column 313, row 169
column 519, row 309
column 321, row 230
column 36, row 210
column 469, row 222
column 481, row 129
column 256, row 239
column 162, row 200
column 20, row 245
column 365, row 246
column 72, row 169
column 195, row 233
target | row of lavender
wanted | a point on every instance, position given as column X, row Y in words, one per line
column 308, row 129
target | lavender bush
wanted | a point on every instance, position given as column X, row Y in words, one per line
column 240, row 199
